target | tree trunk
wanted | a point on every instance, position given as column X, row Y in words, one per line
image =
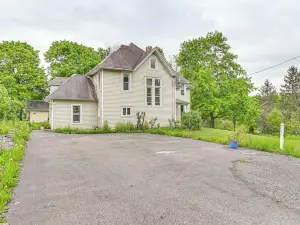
column 212, row 119
column 234, row 124
column 20, row 114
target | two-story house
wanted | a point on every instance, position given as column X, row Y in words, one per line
column 127, row 81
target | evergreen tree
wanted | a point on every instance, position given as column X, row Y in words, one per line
column 290, row 92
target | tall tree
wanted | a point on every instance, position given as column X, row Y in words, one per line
column 67, row 58
column 290, row 91
column 208, row 63
column 211, row 51
column 5, row 102
column 268, row 98
column 20, row 72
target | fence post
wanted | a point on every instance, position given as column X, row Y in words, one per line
column 282, row 136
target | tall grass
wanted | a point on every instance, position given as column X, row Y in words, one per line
column 9, row 164
column 6, row 126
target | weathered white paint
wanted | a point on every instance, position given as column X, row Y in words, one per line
column 63, row 118
column 38, row 116
column 282, row 136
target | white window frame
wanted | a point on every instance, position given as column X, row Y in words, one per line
column 126, row 107
column 153, row 92
column 156, row 64
column 122, row 81
column 72, row 121
column 182, row 89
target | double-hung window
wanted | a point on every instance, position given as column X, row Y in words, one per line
column 126, row 82
column 182, row 90
column 153, row 92
column 76, row 114
column 153, row 63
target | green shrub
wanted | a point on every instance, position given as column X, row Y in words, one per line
column 38, row 125
column 274, row 119
column 174, row 123
column 293, row 125
column 9, row 163
column 120, row 127
column 191, row 120
column 239, row 134
column 106, row 127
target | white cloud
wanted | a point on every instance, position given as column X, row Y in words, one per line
column 262, row 33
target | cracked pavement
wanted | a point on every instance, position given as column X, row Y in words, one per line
column 151, row 179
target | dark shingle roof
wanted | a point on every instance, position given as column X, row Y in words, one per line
column 37, row 105
column 126, row 57
column 77, row 87
column 57, row 81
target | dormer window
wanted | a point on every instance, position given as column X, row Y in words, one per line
column 153, row 63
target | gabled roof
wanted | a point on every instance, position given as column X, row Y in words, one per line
column 57, row 81
column 130, row 57
column 77, row 87
column 38, row 105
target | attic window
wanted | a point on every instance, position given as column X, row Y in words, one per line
column 153, row 63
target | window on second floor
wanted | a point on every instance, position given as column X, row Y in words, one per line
column 182, row 90
column 153, row 63
column 126, row 82
column 153, row 92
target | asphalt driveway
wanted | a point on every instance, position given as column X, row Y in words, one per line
column 151, row 179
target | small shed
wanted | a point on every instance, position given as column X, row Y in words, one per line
column 37, row 111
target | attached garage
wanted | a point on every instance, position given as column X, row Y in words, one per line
column 37, row 111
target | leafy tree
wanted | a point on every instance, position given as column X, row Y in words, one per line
column 211, row 51
column 293, row 125
column 208, row 63
column 290, row 91
column 268, row 98
column 21, row 74
column 274, row 119
column 5, row 103
column 161, row 51
column 67, row 58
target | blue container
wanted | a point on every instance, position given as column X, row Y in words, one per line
column 233, row 144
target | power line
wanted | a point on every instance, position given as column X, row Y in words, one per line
column 275, row 65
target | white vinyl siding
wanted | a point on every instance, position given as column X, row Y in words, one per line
column 62, row 115
column 114, row 98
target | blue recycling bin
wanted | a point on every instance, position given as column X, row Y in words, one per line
column 233, row 144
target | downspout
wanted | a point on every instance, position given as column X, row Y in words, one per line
column 52, row 114
column 175, row 106
column 102, row 114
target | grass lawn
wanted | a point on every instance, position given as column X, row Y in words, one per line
column 259, row 142
column 9, row 160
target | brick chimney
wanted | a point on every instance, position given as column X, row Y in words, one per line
column 148, row 48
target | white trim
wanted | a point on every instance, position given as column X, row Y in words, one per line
column 81, row 112
column 102, row 90
column 175, row 104
column 156, row 64
column 122, row 80
column 126, row 107
column 153, row 92
column 52, row 114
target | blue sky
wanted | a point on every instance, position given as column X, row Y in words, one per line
column 261, row 33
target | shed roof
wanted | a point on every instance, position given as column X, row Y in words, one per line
column 77, row 87
column 37, row 105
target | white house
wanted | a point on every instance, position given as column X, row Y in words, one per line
column 127, row 81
